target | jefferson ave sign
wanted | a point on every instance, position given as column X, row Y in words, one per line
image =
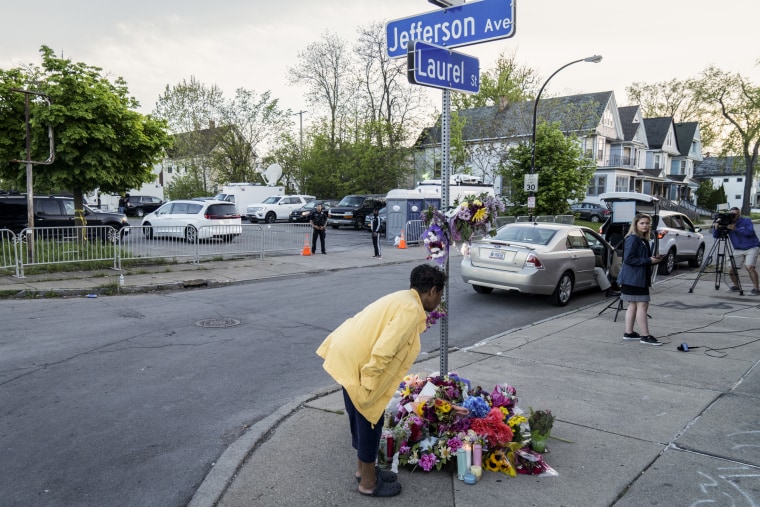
column 439, row 67
column 466, row 24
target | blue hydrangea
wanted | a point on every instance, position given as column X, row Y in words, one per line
column 477, row 406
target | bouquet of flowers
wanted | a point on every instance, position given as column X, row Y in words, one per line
column 431, row 418
column 439, row 313
column 475, row 216
column 436, row 237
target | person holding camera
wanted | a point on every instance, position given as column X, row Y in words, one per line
column 744, row 240
column 635, row 278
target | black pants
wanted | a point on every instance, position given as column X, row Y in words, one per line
column 364, row 438
column 376, row 243
column 318, row 233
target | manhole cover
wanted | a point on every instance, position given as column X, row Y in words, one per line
column 218, row 323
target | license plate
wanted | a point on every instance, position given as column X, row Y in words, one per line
column 496, row 254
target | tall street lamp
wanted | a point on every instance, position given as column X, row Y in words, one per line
column 593, row 59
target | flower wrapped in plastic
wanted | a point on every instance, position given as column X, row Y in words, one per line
column 475, row 216
column 436, row 238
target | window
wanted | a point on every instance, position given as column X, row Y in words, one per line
column 600, row 148
column 737, row 197
column 598, row 185
column 739, row 180
column 657, row 161
column 621, row 183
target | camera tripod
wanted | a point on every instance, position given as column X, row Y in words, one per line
column 721, row 248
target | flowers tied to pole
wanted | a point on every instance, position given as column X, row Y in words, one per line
column 475, row 216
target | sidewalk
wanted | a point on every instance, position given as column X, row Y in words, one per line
column 649, row 425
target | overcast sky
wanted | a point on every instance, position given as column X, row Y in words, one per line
column 250, row 44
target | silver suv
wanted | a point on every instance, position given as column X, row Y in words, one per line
column 676, row 237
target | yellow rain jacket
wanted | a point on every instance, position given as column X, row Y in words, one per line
column 370, row 353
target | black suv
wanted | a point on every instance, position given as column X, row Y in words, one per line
column 141, row 205
column 52, row 211
column 352, row 209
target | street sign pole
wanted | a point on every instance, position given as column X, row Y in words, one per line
column 445, row 178
column 435, row 33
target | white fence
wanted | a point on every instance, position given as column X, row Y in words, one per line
column 56, row 245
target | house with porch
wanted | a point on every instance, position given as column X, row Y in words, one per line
column 628, row 156
column 731, row 173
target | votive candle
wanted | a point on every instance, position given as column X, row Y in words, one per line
column 477, row 455
column 461, row 464
column 468, row 455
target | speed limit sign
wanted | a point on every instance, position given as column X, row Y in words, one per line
column 531, row 182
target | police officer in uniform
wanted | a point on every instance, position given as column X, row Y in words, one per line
column 319, row 224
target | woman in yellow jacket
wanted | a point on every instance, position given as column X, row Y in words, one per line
column 369, row 354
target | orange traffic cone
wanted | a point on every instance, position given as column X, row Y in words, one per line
column 402, row 241
column 306, row 248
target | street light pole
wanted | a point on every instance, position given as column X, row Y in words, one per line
column 592, row 59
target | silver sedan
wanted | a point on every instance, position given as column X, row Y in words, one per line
column 537, row 258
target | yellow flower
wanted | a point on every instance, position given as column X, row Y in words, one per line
column 464, row 204
column 479, row 215
column 442, row 406
column 477, row 202
column 517, row 421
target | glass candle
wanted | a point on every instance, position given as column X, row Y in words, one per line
column 461, row 464
column 468, row 456
column 477, row 455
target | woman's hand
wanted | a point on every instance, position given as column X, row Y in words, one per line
column 656, row 259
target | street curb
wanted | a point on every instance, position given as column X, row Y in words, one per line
column 225, row 469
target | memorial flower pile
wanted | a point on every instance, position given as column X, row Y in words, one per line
column 431, row 418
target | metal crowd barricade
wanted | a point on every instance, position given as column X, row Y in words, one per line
column 9, row 251
column 413, row 231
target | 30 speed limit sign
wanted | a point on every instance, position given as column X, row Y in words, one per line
column 531, row 182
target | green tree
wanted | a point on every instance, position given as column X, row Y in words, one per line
column 508, row 82
column 563, row 171
column 737, row 101
column 100, row 140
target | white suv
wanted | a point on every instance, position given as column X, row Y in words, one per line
column 677, row 238
column 276, row 207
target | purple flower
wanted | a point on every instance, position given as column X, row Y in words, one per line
column 428, row 461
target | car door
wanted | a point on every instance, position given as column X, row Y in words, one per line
column 688, row 240
column 161, row 220
column 50, row 213
column 582, row 259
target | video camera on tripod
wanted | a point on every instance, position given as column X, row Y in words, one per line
column 722, row 219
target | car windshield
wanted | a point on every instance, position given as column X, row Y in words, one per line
column 525, row 234
column 310, row 205
column 272, row 200
column 351, row 201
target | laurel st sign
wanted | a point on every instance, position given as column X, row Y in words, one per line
column 453, row 27
column 439, row 67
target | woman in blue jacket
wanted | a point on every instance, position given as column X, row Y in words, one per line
column 635, row 278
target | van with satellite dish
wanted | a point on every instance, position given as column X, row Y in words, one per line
column 245, row 194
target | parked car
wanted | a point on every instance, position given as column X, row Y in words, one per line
column 676, row 237
column 589, row 211
column 276, row 207
column 303, row 214
column 194, row 220
column 54, row 211
column 352, row 209
column 537, row 258
column 141, row 205
column 383, row 214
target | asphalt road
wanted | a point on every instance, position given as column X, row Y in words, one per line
column 128, row 400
